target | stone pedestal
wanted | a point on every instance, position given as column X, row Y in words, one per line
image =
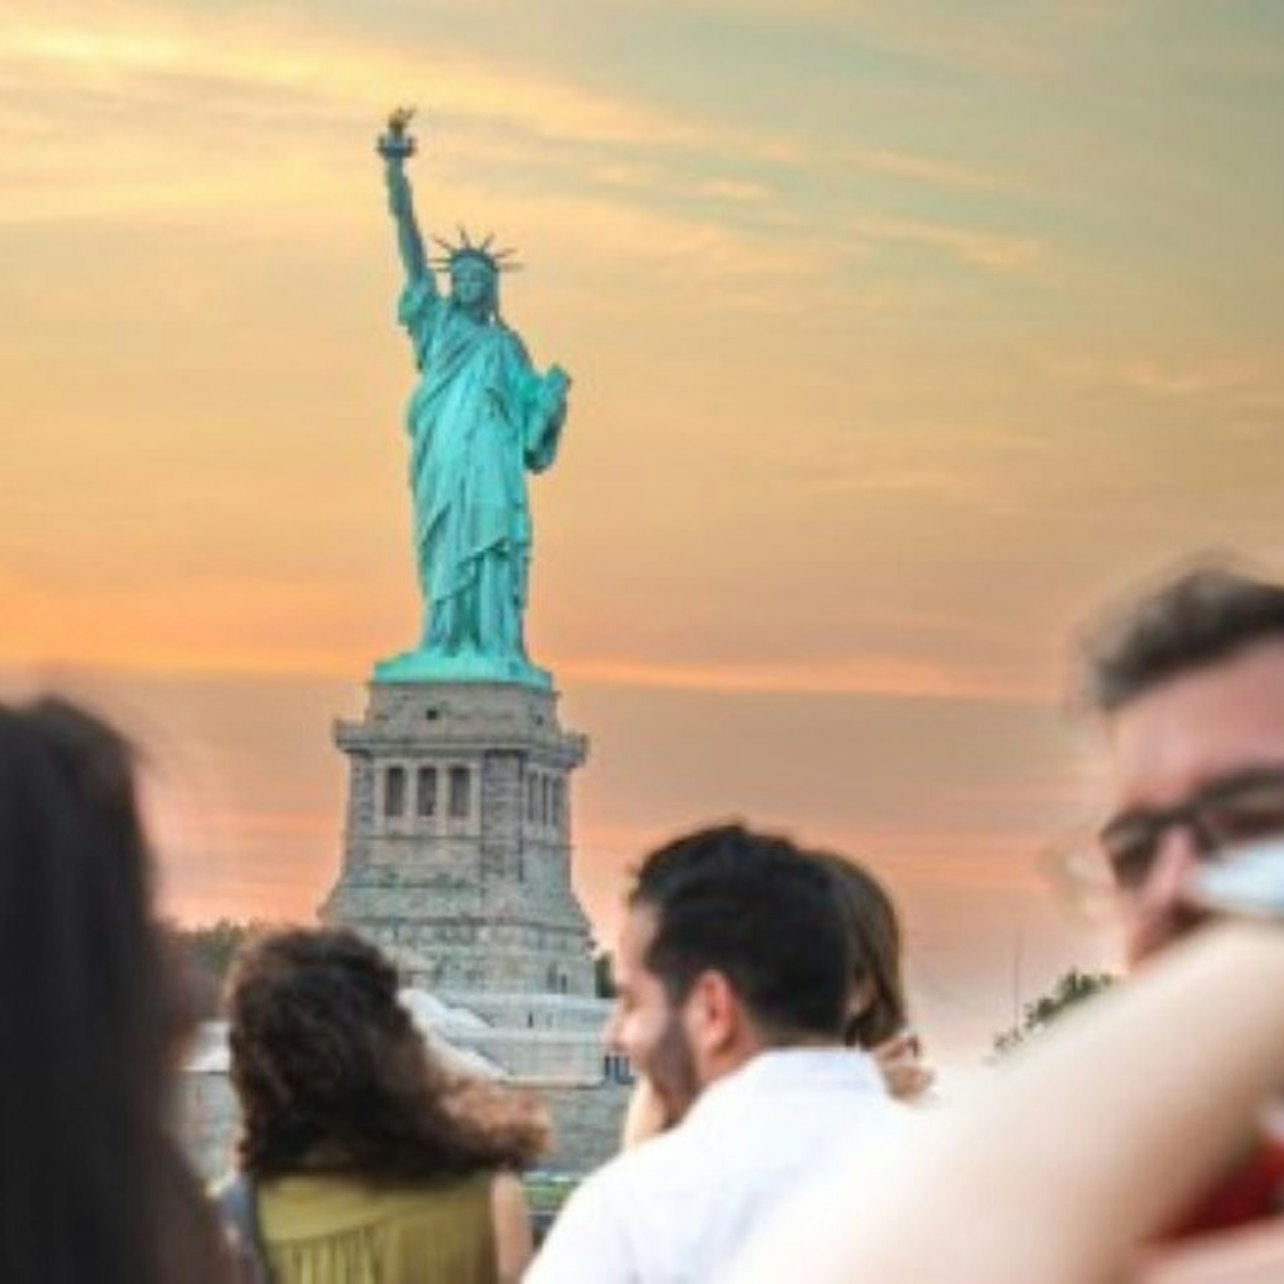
column 457, row 841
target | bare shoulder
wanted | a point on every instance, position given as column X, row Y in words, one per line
column 507, row 1194
column 511, row 1219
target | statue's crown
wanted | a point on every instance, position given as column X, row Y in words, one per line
column 466, row 248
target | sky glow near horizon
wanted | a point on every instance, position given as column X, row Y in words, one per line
column 902, row 336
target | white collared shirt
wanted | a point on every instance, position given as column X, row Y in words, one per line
column 676, row 1209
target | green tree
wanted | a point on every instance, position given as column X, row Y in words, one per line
column 1071, row 989
column 211, row 947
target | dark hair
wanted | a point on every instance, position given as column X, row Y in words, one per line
column 90, row 1185
column 333, row 1076
column 755, row 908
column 1199, row 618
column 874, row 933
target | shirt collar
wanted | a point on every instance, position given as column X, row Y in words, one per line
column 790, row 1069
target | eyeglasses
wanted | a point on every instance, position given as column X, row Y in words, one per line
column 1227, row 812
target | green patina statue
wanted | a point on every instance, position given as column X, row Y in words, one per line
column 480, row 417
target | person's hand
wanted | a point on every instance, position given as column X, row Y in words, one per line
column 645, row 1116
column 900, row 1060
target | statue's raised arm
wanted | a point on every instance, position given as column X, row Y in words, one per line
column 396, row 146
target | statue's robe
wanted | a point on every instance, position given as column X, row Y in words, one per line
column 478, row 420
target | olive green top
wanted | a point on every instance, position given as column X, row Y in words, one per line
column 338, row 1230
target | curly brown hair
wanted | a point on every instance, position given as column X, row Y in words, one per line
column 332, row 1075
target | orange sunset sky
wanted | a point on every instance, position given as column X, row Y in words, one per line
column 903, row 335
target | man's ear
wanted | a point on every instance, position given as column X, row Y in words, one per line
column 715, row 1016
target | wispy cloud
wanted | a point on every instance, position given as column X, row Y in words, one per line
column 130, row 55
column 731, row 189
column 882, row 676
column 1245, row 376
column 991, row 251
column 1199, row 379
column 926, row 169
column 272, row 76
column 903, row 677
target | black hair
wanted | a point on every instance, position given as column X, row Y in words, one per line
column 757, row 909
column 1198, row 618
column 91, row 1188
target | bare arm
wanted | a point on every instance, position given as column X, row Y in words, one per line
column 1253, row 1256
column 1089, row 1143
column 511, row 1218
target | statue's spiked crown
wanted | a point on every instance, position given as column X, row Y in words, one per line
column 466, row 248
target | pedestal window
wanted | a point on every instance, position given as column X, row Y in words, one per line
column 460, row 793
column 426, row 792
column 394, row 791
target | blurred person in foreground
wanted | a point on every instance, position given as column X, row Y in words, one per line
column 1188, row 682
column 1118, row 1130
column 733, row 976
column 92, row 1184
column 1060, row 1170
column 364, row 1159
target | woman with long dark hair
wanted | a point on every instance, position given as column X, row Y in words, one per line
column 92, row 1186
column 879, row 1012
column 367, row 1159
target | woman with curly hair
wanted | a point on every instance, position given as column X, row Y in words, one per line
column 368, row 1161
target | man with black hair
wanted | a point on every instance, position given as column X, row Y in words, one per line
column 1189, row 685
column 733, row 977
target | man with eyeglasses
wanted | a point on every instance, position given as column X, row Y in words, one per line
column 1189, row 684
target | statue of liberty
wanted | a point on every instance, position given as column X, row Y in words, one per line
column 480, row 417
